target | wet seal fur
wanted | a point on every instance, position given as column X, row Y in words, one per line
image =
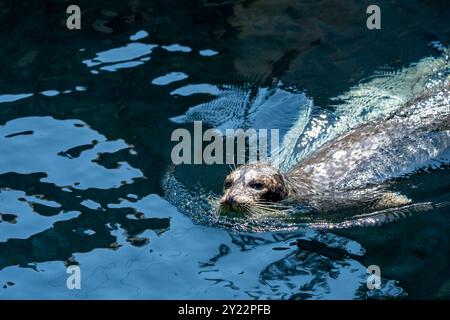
column 353, row 170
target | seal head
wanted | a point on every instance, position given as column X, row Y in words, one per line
column 250, row 186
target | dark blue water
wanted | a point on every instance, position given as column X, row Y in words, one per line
column 85, row 125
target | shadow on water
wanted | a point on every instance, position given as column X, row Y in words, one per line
column 85, row 142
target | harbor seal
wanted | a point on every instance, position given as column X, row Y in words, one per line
column 353, row 170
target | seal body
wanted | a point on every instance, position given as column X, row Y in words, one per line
column 355, row 169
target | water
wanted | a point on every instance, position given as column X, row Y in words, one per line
column 85, row 124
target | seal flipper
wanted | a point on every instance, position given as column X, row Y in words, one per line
column 391, row 200
column 380, row 217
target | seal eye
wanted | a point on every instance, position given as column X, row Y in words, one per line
column 256, row 185
column 227, row 184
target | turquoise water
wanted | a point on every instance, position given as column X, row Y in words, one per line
column 85, row 124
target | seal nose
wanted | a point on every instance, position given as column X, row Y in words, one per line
column 227, row 200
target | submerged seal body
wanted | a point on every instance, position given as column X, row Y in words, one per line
column 354, row 169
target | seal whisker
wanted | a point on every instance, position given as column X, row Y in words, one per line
column 273, row 205
column 265, row 208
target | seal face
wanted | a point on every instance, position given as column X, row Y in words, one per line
column 252, row 185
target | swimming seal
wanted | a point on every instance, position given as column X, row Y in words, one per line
column 355, row 169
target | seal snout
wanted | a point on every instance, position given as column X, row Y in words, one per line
column 232, row 202
column 229, row 202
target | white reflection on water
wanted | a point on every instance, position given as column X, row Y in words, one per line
column 28, row 221
column 134, row 54
column 44, row 149
column 169, row 78
column 208, row 53
column 191, row 89
column 118, row 58
column 141, row 34
column 122, row 65
column 14, row 97
column 50, row 93
column 46, row 145
column 177, row 48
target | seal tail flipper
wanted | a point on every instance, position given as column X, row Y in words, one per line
column 381, row 217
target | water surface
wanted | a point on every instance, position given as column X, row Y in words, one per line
column 85, row 124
